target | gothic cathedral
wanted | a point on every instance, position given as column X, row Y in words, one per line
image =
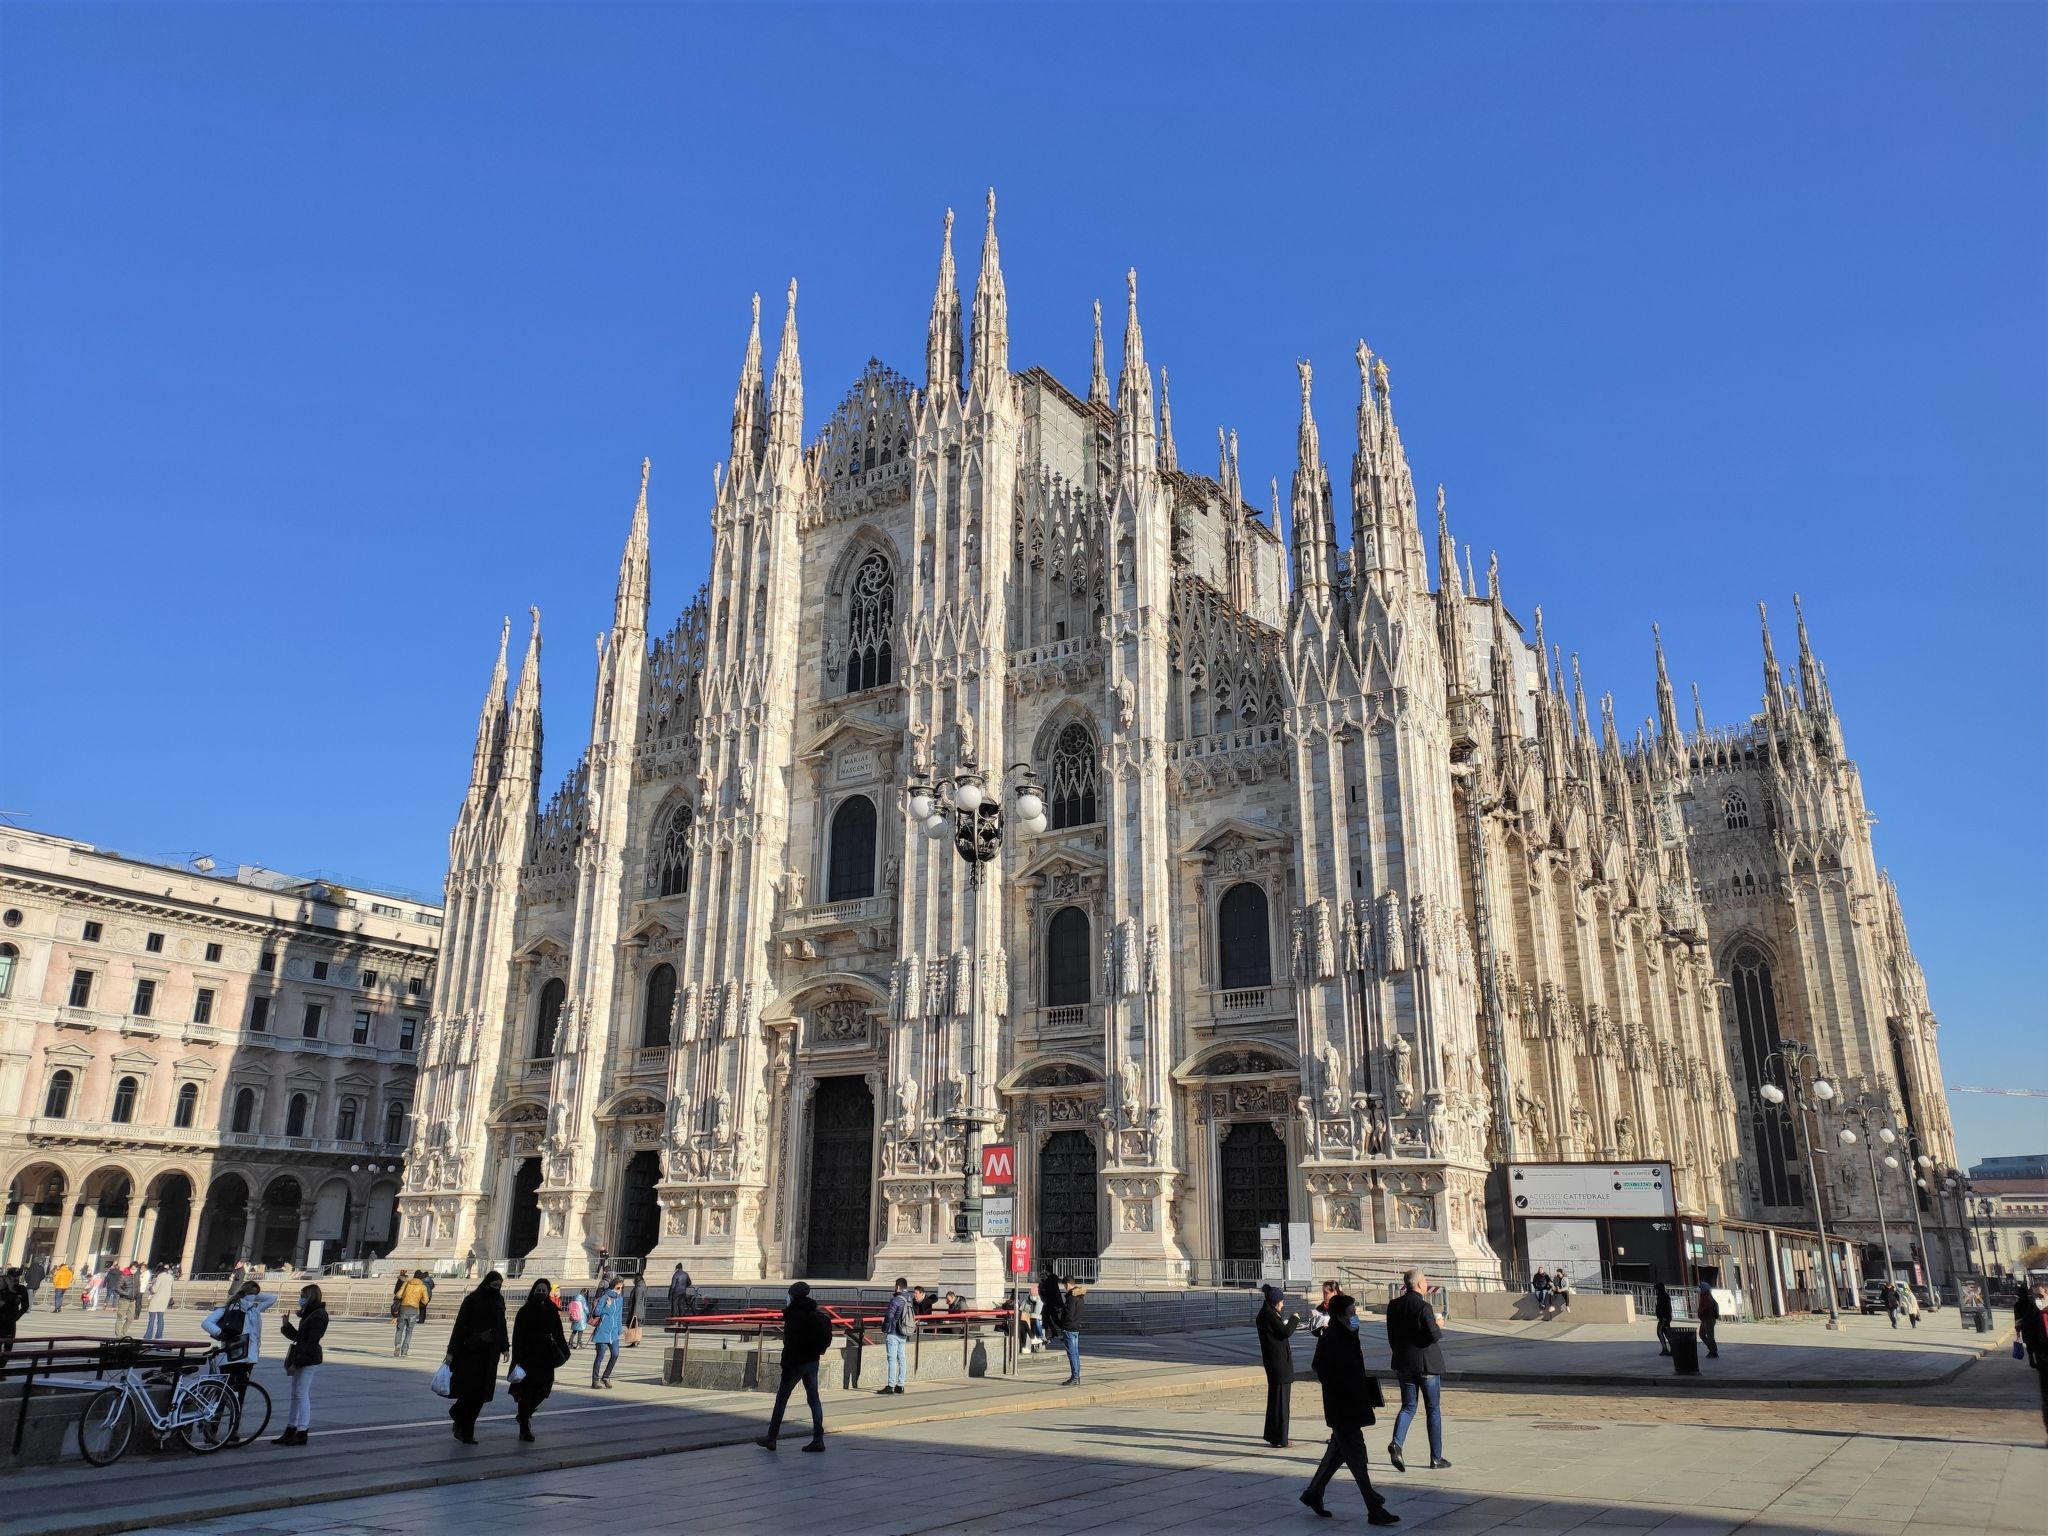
column 1340, row 900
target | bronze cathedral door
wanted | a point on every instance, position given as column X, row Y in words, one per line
column 1252, row 1173
column 842, row 1180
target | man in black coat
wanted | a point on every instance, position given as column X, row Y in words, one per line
column 1349, row 1397
column 1415, row 1342
column 806, row 1335
column 1054, row 1302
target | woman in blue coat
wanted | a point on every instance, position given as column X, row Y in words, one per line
column 607, row 1318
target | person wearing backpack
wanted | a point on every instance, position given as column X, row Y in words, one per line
column 237, row 1324
column 302, row 1363
column 896, row 1325
column 579, row 1315
column 607, row 1319
column 806, row 1335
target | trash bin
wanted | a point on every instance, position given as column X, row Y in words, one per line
column 1685, row 1350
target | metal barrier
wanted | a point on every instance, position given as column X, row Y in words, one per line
column 761, row 1324
column 26, row 1359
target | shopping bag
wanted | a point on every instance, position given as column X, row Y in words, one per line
column 444, row 1380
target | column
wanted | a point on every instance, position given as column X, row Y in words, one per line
column 67, row 1234
column 304, row 1231
column 20, row 1217
column 191, row 1254
column 248, row 1249
column 144, row 1233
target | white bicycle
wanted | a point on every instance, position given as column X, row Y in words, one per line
column 202, row 1414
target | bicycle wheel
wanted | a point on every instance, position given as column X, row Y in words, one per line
column 107, row 1425
column 207, row 1415
column 254, row 1417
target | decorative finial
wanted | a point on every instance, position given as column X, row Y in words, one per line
column 757, row 311
column 1307, row 371
column 1493, row 573
column 1443, row 521
column 792, row 297
column 991, row 206
column 1131, row 282
column 949, row 228
column 1379, row 376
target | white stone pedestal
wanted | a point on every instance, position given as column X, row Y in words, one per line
column 977, row 1269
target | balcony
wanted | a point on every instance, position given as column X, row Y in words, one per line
column 829, row 916
column 1243, row 1000
column 1078, row 1021
column 1233, row 1008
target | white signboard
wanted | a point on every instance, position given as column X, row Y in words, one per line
column 998, row 1212
column 1591, row 1189
column 1298, row 1271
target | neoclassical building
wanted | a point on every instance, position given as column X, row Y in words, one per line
column 1343, row 899
column 199, row 1068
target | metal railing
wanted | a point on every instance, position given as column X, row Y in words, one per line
column 27, row 1360
column 1242, row 999
column 859, row 1326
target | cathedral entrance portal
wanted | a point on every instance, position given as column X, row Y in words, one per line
column 842, row 1179
column 1066, row 1198
column 1251, row 1168
column 524, row 1230
column 639, row 1211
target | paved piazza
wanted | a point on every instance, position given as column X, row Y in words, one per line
column 1162, row 1436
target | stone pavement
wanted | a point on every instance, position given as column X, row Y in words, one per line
column 378, row 1428
column 1196, row 1465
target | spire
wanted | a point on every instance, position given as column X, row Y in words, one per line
column 629, row 607
column 1471, row 581
column 490, row 723
column 1773, row 682
column 786, row 408
column 1446, row 551
column 944, row 355
column 1168, row 457
column 991, row 313
column 1098, row 381
column 1384, row 528
column 750, row 402
column 1136, row 432
column 1542, row 652
column 1699, row 715
column 1579, row 698
column 1315, row 555
column 1813, row 683
column 1493, row 574
column 1667, row 706
column 522, row 736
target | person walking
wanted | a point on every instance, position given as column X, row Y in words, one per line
column 2030, row 1325
column 126, row 1284
column 608, row 1319
column 538, row 1351
column 579, row 1318
column 60, row 1285
column 1415, row 1345
column 636, row 1310
column 94, row 1283
column 302, row 1363
column 1888, row 1298
column 896, row 1326
column 1909, row 1303
column 14, row 1304
column 475, row 1346
column 408, row 1306
column 1057, row 1301
column 1708, row 1311
column 678, row 1294
column 806, row 1335
column 1276, row 1354
column 426, row 1279
column 1663, row 1319
column 1349, row 1397
column 162, row 1289
column 237, row 1324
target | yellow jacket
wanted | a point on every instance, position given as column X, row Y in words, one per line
column 63, row 1277
column 413, row 1293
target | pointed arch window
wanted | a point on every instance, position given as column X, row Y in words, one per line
column 852, row 874
column 870, row 623
column 547, row 1017
column 125, row 1091
column 188, row 1107
column 1736, row 809
column 1244, row 942
column 1068, row 958
column 672, row 867
column 660, row 1009
column 1754, row 1000
column 1071, row 783
column 244, row 1119
column 57, row 1099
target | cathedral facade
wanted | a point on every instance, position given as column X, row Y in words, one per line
column 1340, row 900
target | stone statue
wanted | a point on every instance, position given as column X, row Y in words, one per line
column 793, row 888
column 1126, row 704
column 907, row 1101
column 746, row 790
column 1127, row 1088
column 892, row 866
column 1152, row 959
column 1333, row 1079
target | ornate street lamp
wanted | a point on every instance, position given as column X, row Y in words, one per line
column 1808, row 1090
column 1868, row 1111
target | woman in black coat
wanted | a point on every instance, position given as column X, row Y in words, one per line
column 1277, row 1355
column 537, row 1349
column 1349, row 1398
column 475, row 1347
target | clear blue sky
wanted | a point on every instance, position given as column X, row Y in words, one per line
column 331, row 334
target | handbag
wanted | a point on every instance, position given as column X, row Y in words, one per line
column 444, row 1380
column 630, row 1336
column 2019, row 1350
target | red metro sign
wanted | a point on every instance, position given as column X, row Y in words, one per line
column 999, row 1163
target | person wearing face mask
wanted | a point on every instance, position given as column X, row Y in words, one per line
column 1349, row 1397
column 2030, row 1317
column 302, row 1363
column 1276, row 1353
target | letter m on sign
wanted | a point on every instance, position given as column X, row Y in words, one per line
column 999, row 1163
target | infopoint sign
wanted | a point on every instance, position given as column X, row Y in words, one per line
column 1591, row 1189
